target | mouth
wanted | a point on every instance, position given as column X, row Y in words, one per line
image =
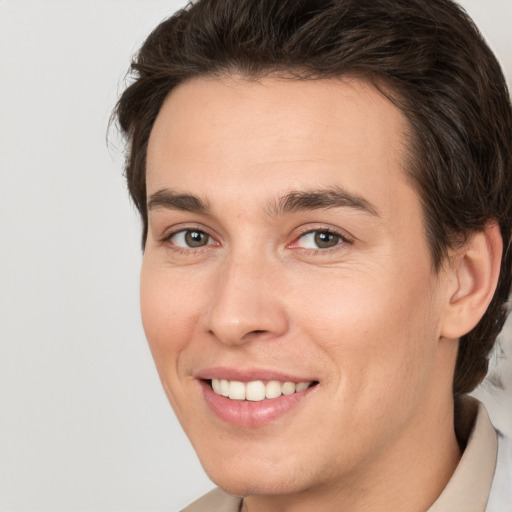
column 254, row 403
column 255, row 397
column 257, row 390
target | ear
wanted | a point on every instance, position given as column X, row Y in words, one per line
column 474, row 272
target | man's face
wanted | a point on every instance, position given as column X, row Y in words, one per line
column 286, row 244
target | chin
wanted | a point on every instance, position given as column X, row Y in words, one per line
column 250, row 478
column 269, row 485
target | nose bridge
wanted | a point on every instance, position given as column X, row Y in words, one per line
column 244, row 303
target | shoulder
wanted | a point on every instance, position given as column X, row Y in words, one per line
column 501, row 492
column 215, row 501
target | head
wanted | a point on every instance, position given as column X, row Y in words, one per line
column 426, row 60
column 432, row 63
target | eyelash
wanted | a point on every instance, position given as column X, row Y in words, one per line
column 343, row 239
column 166, row 240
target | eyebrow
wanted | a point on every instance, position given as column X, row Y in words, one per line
column 293, row 201
column 171, row 200
column 324, row 198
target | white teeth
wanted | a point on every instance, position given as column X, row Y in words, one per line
column 273, row 389
column 216, row 386
column 256, row 390
column 223, row 387
column 288, row 388
column 236, row 390
column 301, row 386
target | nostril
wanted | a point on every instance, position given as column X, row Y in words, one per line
column 234, row 322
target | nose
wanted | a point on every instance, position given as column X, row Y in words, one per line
column 246, row 303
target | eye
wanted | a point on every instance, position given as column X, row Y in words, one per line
column 319, row 239
column 190, row 239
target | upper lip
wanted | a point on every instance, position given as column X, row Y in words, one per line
column 242, row 375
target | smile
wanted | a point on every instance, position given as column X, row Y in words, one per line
column 257, row 390
column 255, row 403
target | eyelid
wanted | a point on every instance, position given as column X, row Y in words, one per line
column 345, row 238
column 174, row 230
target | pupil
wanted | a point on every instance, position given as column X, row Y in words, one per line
column 324, row 239
column 195, row 238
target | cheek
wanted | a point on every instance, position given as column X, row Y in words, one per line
column 379, row 330
column 168, row 313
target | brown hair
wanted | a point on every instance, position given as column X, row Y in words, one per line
column 427, row 56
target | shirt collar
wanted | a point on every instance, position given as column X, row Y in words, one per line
column 469, row 487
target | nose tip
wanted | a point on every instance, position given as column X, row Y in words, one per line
column 241, row 322
column 244, row 307
column 238, row 332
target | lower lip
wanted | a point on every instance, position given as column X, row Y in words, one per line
column 245, row 413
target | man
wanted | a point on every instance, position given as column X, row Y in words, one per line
column 325, row 193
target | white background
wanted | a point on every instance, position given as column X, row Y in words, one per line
column 84, row 425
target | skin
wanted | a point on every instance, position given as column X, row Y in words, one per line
column 365, row 317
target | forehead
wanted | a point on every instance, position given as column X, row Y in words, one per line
column 271, row 135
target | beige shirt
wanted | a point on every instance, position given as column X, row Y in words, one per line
column 467, row 491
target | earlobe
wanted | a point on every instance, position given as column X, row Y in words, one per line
column 475, row 270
